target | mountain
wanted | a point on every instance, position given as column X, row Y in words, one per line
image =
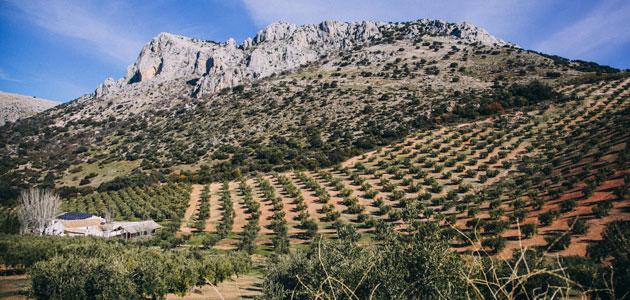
column 291, row 97
column 475, row 149
column 280, row 47
column 14, row 106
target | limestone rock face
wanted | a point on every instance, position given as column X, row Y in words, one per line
column 14, row 107
column 207, row 67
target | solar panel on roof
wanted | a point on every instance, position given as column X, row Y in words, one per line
column 74, row 216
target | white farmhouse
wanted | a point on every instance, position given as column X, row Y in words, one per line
column 84, row 224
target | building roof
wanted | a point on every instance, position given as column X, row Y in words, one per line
column 74, row 216
column 135, row 227
column 76, row 230
column 93, row 221
column 110, row 226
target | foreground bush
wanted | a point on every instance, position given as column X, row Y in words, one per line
column 403, row 267
column 421, row 265
column 94, row 268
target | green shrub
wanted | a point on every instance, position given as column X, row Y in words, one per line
column 557, row 242
column 421, row 265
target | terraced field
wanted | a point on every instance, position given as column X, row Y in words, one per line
column 517, row 179
column 552, row 177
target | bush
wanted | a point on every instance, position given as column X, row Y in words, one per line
column 615, row 244
column 496, row 244
column 78, row 277
column 557, row 242
column 92, row 268
column 529, row 230
column 547, row 218
column 602, row 208
column 311, row 228
column 419, row 266
column 578, row 226
column 568, row 205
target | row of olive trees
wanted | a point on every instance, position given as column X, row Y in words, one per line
column 225, row 227
column 280, row 240
column 93, row 268
column 306, row 222
column 250, row 231
column 204, row 209
column 422, row 265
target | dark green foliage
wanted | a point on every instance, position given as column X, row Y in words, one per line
column 311, row 228
column 496, row 243
column 417, row 266
column 547, row 217
column 602, row 208
column 557, row 242
column 529, row 230
column 9, row 222
column 347, row 232
column 157, row 202
column 615, row 244
column 578, row 226
column 225, row 227
column 568, row 205
column 204, row 209
column 250, row 232
column 95, row 268
column 496, row 227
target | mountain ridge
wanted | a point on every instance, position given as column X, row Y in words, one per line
column 315, row 115
column 14, row 106
column 210, row 66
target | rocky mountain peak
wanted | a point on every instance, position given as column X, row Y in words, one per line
column 281, row 46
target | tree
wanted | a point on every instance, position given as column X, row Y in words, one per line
column 36, row 208
column 416, row 266
column 568, row 205
column 311, row 228
column 210, row 240
column 557, row 242
column 621, row 191
column 529, row 229
column 496, row 243
column 602, row 208
column 615, row 244
column 578, row 226
column 547, row 217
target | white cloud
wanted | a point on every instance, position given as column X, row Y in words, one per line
column 5, row 77
column 605, row 28
column 96, row 26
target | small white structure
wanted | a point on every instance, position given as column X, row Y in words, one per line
column 84, row 224
column 133, row 230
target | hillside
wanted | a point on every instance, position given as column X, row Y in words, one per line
column 411, row 76
column 14, row 106
column 545, row 167
column 374, row 160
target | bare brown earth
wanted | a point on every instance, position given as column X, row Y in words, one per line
column 11, row 287
column 508, row 148
column 215, row 207
column 242, row 287
column 192, row 208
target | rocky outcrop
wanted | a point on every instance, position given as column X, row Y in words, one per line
column 208, row 67
column 14, row 107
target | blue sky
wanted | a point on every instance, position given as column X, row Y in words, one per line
column 59, row 50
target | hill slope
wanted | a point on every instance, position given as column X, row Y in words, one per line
column 14, row 106
column 495, row 177
column 362, row 86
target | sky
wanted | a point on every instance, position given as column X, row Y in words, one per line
column 60, row 50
